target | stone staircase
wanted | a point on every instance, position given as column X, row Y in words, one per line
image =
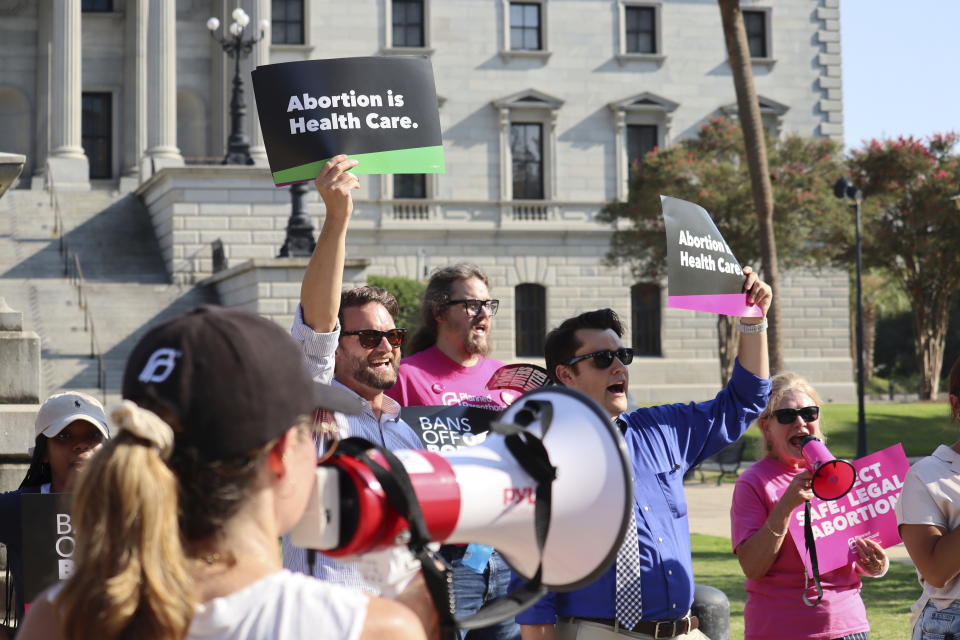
column 126, row 285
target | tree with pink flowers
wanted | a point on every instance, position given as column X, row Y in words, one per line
column 911, row 227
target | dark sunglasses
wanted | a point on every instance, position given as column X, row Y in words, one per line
column 370, row 338
column 473, row 306
column 603, row 359
column 787, row 416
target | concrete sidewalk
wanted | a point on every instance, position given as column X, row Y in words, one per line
column 709, row 509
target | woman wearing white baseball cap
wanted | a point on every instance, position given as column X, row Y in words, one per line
column 69, row 428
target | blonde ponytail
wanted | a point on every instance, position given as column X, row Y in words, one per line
column 130, row 577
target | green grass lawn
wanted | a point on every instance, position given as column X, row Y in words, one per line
column 887, row 600
column 920, row 426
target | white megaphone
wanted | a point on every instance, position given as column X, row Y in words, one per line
column 481, row 494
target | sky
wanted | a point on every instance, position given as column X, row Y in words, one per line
column 901, row 68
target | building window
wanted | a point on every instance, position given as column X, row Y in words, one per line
column 97, row 133
column 531, row 319
column 641, row 140
column 409, row 185
column 525, row 26
column 526, row 150
column 755, row 23
column 641, row 124
column 287, row 22
column 640, row 29
column 101, row 6
column 407, row 23
column 645, row 319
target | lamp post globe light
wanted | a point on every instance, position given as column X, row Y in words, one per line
column 845, row 189
column 238, row 145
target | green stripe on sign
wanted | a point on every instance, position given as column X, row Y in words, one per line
column 418, row 160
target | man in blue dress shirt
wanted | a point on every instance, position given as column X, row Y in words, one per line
column 586, row 353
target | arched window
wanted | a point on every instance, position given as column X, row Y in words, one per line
column 645, row 319
column 530, row 302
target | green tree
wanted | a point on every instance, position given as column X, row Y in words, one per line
column 910, row 228
column 408, row 293
column 711, row 171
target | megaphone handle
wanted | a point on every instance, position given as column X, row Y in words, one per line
column 811, row 546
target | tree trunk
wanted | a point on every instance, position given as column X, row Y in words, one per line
column 930, row 335
column 728, row 342
column 748, row 109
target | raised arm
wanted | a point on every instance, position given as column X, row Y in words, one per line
column 323, row 280
column 753, row 346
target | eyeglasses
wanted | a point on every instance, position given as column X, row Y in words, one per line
column 787, row 416
column 603, row 359
column 473, row 306
column 370, row 338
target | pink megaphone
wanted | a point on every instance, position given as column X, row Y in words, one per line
column 832, row 478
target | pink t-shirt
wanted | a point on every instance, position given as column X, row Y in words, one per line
column 774, row 607
column 430, row 378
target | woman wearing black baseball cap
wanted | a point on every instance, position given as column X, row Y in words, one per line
column 178, row 517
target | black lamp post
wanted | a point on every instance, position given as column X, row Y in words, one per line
column 845, row 189
column 238, row 145
column 299, row 241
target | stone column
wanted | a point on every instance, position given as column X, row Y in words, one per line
column 68, row 163
column 257, row 10
column 162, row 148
column 135, row 102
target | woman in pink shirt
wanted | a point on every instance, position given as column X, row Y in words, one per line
column 764, row 499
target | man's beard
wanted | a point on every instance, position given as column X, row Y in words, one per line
column 477, row 343
column 374, row 378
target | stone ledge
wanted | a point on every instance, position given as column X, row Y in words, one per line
column 16, row 428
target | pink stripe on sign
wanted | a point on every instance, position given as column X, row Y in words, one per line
column 728, row 304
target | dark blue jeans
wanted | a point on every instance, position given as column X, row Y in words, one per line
column 473, row 589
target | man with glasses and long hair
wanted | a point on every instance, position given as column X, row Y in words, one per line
column 448, row 365
column 350, row 340
column 648, row 592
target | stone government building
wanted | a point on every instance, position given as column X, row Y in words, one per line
column 122, row 106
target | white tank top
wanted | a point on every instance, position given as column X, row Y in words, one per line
column 282, row 605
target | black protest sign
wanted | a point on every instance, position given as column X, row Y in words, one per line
column 381, row 111
column 448, row 428
column 703, row 274
column 48, row 541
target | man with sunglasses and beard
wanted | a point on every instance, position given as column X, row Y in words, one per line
column 648, row 592
column 350, row 340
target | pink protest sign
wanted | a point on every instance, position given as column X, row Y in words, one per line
column 865, row 512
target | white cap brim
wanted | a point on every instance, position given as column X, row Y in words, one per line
column 61, row 424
